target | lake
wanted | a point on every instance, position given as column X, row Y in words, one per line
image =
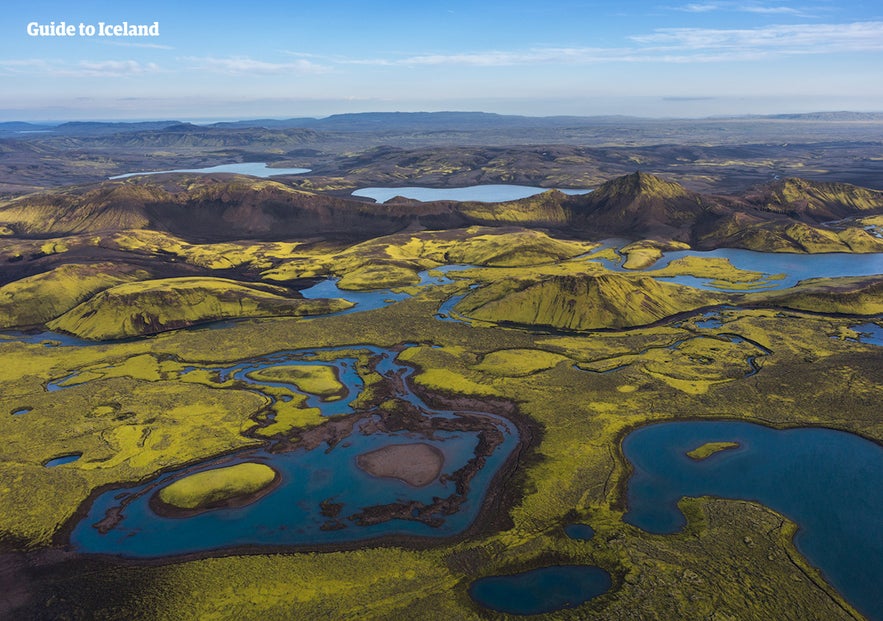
column 490, row 193
column 298, row 512
column 545, row 589
column 255, row 169
column 828, row 482
column 795, row 267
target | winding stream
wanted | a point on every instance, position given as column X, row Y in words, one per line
column 324, row 497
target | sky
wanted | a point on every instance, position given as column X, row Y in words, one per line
column 289, row 58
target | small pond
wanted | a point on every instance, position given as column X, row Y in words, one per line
column 579, row 532
column 830, row 483
column 63, row 459
column 546, row 589
column 869, row 333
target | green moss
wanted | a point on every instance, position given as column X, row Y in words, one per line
column 519, row 362
column 514, row 249
column 583, row 302
column 158, row 305
column 378, row 276
column 710, row 448
column 136, row 413
column 721, row 270
column 215, row 487
column 851, row 296
column 37, row 299
column 315, row 379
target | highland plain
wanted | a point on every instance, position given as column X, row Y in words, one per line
column 232, row 396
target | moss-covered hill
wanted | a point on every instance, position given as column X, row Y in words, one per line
column 819, row 201
column 848, row 296
column 202, row 207
column 584, row 302
column 152, row 306
column 234, row 207
column 37, row 299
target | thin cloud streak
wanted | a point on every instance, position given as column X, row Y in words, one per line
column 150, row 46
column 674, row 45
column 243, row 65
column 740, row 7
column 81, row 69
column 787, row 39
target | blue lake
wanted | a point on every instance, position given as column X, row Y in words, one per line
column 869, row 333
column 546, row 589
column 255, row 169
column 579, row 532
column 491, row 193
column 793, row 267
column 378, row 298
column 828, row 482
column 312, row 478
column 64, row 459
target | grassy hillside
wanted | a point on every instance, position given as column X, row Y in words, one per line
column 153, row 306
column 37, row 299
column 849, row 296
column 817, row 200
column 584, row 302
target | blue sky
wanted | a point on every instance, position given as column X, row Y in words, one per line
column 285, row 59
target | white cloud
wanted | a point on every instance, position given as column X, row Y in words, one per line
column 150, row 46
column 498, row 58
column 740, row 7
column 244, row 65
column 674, row 45
column 113, row 68
column 771, row 40
column 81, row 69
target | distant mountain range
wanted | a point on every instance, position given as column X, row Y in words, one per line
column 393, row 121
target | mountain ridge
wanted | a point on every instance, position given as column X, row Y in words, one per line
column 221, row 207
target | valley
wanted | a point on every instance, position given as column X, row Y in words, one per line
column 263, row 397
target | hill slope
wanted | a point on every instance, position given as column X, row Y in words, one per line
column 226, row 207
column 584, row 302
column 152, row 306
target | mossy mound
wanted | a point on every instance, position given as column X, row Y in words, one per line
column 37, row 299
column 710, row 448
column 378, row 276
column 546, row 209
column 848, row 296
column 154, row 306
column 318, row 380
column 515, row 249
column 584, row 302
column 230, row 486
column 644, row 253
column 519, row 362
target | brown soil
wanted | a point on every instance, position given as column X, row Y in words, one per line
column 415, row 464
